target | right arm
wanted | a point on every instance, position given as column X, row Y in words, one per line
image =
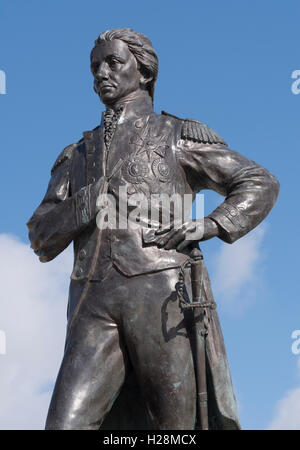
column 61, row 216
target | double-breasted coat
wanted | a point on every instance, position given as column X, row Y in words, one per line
column 151, row 154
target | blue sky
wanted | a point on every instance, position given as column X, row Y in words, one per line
column 228, row 64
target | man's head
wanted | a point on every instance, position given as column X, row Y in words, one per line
column 123, row 62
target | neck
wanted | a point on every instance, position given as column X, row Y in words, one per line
column 132, row 98
column 135, row 104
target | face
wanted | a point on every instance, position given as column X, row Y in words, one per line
column 115, row 71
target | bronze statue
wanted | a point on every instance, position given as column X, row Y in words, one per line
column 144, row 347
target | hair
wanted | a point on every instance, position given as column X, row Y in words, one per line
column 141, row 48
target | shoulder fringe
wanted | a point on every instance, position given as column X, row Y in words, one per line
column 64, row 155
column 193, row 130
column 200, row 132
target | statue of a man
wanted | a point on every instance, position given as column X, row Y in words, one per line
column 129, row 360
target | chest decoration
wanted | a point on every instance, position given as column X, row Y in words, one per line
column 147, row 142
column 147, row 158
column 135, row 170
column 161, row 170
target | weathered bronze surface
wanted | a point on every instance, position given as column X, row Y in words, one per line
column 144, row 347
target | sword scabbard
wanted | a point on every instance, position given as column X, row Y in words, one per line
column 199, row 335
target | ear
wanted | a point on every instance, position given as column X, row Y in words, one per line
column 144, row 80
column 144, row 77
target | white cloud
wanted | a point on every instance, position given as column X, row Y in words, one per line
column 33, row 302
column 287, row 411
column 237, row 271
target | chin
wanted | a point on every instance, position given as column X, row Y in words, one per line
column 108, row 99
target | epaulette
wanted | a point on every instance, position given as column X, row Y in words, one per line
column 195, row 131
column 200, row 132
column 64, row 155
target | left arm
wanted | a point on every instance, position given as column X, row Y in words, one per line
column 250, row 193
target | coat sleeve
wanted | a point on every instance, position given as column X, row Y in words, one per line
column 250, row 190
column 60, row 216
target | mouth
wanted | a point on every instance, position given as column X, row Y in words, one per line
column 103, row 87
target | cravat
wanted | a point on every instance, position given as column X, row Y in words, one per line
column 111, row 118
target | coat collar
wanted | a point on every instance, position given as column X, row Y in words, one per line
column 135, row 109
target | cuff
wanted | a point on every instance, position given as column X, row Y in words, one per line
column 231, row 221
column 83, row 206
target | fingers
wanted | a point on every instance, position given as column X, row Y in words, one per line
column 191, row 231
column 162, row 230
column 162, row 241
column 176, row 237
column 183, row 245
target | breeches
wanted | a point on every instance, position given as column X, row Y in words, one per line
column 123, row 325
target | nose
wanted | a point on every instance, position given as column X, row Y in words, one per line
column 102, row 72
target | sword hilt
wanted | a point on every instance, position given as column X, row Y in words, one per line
column 196, row 274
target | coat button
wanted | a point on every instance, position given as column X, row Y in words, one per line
column 82, row 255
column 138, row 123
column 131, row 190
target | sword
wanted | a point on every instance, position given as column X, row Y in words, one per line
column 200, row 330
column 200, row 337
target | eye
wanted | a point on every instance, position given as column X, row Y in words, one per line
column 113, row 62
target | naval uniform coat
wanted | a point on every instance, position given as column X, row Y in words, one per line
column 150, row 154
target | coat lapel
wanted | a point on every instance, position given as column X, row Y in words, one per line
column 94, row 146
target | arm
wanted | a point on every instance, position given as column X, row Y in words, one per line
column 250, row 192
column 61, row 217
